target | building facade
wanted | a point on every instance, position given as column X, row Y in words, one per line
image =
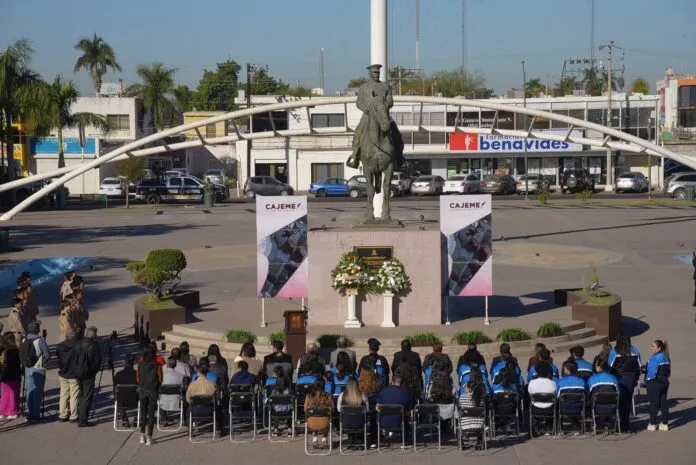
column 306, row 159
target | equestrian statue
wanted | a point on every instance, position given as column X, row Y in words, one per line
column 377, row 143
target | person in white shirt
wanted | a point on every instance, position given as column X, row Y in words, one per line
column 544, row 384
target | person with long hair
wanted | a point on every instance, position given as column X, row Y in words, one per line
column 186, row 357
column 311, row 362
column 342, row 358
column 472, row 357
column 657, row 375
column 149, row 377
column 214, row 349
column 411, row 381
column 603, row 356
column 625, row 363
column 507, row 379
column 10, row 377
column 472, row 396
column 181, row 367
column 318, row 398
column 369, row 386
column 282, row 386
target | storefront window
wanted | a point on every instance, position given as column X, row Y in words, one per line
column 457, row 166
column 321, row 171
column 419, row 165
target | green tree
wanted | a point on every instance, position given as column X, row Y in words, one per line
column 566, row 85
column 264, row 84
column 217, row 89
column 156, row 91
column 592, row 82
column 61, row 96
column 616, row 81
column 22, row 93
column 97, row 56
column 183, row 97
column 455, row 83
column 132, row 169
column 640, row 86
column 534, row 87
column 356, row 82
column 297, row 91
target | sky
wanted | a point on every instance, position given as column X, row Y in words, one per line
column 287, row 35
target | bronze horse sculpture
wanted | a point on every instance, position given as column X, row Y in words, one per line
column 381, row 150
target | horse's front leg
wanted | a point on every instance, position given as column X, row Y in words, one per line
column 386, row 193
column 369, row 214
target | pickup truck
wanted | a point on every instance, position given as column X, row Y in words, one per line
column 175, row 188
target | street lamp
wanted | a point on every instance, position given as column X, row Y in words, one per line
column 524, row 104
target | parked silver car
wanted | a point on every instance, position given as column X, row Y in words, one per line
column 677, row 184
column 631, row 181
column 462, row 184
column 428, row 184
column 532, row 183
column 215, row 176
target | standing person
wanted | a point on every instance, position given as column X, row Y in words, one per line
column 69, row 385
column 376, row 362
column 126, row 399
column 65, row 288
column 657, row 383
column 34, row 355
column 409, row 357
column 15, row 320
column 693, row 262
column 10, row 377
column 86, row 363
column 149, row 376
column 31, row 308
column 625, row 363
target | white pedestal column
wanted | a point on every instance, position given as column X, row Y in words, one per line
column 388, row 316
column 352, row 320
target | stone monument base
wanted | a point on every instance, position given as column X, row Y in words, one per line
column 420, row 253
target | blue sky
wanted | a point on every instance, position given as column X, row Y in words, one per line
column 287, row 36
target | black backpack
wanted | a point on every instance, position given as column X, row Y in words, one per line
column 27, row 353
column 79, row 362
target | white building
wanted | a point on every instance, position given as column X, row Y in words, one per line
column 306, row 159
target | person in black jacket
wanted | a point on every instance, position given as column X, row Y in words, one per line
column 127, row 399
column 85, row 364
column 693, row 262
column 278, row 357
column 376, row 362
column 69, row 385
column 408, row 357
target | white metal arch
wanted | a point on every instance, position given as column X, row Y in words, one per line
column 624, row 141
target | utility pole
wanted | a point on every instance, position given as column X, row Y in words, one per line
column 610, row 170
column 524, row 104
column 321, row 73
column 249, row 69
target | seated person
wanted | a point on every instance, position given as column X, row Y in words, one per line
column 440, row 390
column 465, row 372
column 406, row 356
column 505, row 355
column 219, row 369
column 472, row 357
column 542, row 384
column 212, row 377
column 171, row 377
column 472, row 395
column 537, row 355
column 201, row 386
column 394, row 394
column 318, row 398
column 278, row 357
column 436, row 355
column 342, row 344
column 507, row 378
column 337, row 380
column 281, row 387
column 544, row 356
column 571, row 383
column 603, row 381
column 311, row 363
column 126, row 399
column 181, row 367
column 584, row 367
column 242, row 377
column 376, row 362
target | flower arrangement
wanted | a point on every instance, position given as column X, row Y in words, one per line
column 392, row 277
column 350, row 275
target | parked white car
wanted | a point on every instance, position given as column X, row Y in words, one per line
column 462, row 184
column 112, row 187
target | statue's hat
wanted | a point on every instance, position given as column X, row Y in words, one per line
column 374, row 67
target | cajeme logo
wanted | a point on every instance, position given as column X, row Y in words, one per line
column 467, row 205
column 283, row 206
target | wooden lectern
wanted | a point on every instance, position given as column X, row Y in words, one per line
column 295, row 333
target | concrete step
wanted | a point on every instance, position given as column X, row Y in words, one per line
column 588, row 342
column 581, row 334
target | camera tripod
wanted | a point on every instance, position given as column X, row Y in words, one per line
column 108, row 364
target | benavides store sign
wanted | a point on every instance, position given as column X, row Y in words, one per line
column 467, row 142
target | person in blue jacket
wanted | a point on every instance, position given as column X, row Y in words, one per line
column 544, row 356
column 577, row 355
column 657, row 382
column 571, row 382
column 625, row 363
column 602, row 381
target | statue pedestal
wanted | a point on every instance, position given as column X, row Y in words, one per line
column 388, row 317
column 351, row 320
column 421, row 255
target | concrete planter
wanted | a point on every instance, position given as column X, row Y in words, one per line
column 605, row 319
column 150, row 324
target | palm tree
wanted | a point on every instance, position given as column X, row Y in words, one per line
column 567, row 84
column 592, row 82
column 640, row 86
column 97, row 56
column 156, row 92
column 61, row 96
column 616, row 82
column 534, row 87
column 21, row 94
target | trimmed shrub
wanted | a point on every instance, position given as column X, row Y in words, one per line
column 550, row 329
column 330, row 341
column 423, row 339
column 277, row 336
column 471, row 337
column 513, row 335
column 584, row 195
column 160, row 273
column 240, row 336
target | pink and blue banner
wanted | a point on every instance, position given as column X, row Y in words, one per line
column 466, row 224
column 281, row 238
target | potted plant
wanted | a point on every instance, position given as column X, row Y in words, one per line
column 391, row 279
column 160, row 275
column 349, row 277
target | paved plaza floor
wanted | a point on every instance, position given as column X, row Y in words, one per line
column 537, row 249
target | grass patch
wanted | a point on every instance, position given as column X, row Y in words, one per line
column 154, row 304
column 513, row 335
column 550, row 329
column 598, row 298
column 240, row 336
column 471, row 337
column 330, row 341
column 422, row 339
column 276, row 336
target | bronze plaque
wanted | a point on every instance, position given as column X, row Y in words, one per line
column 374, row 256
column 295, row 322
